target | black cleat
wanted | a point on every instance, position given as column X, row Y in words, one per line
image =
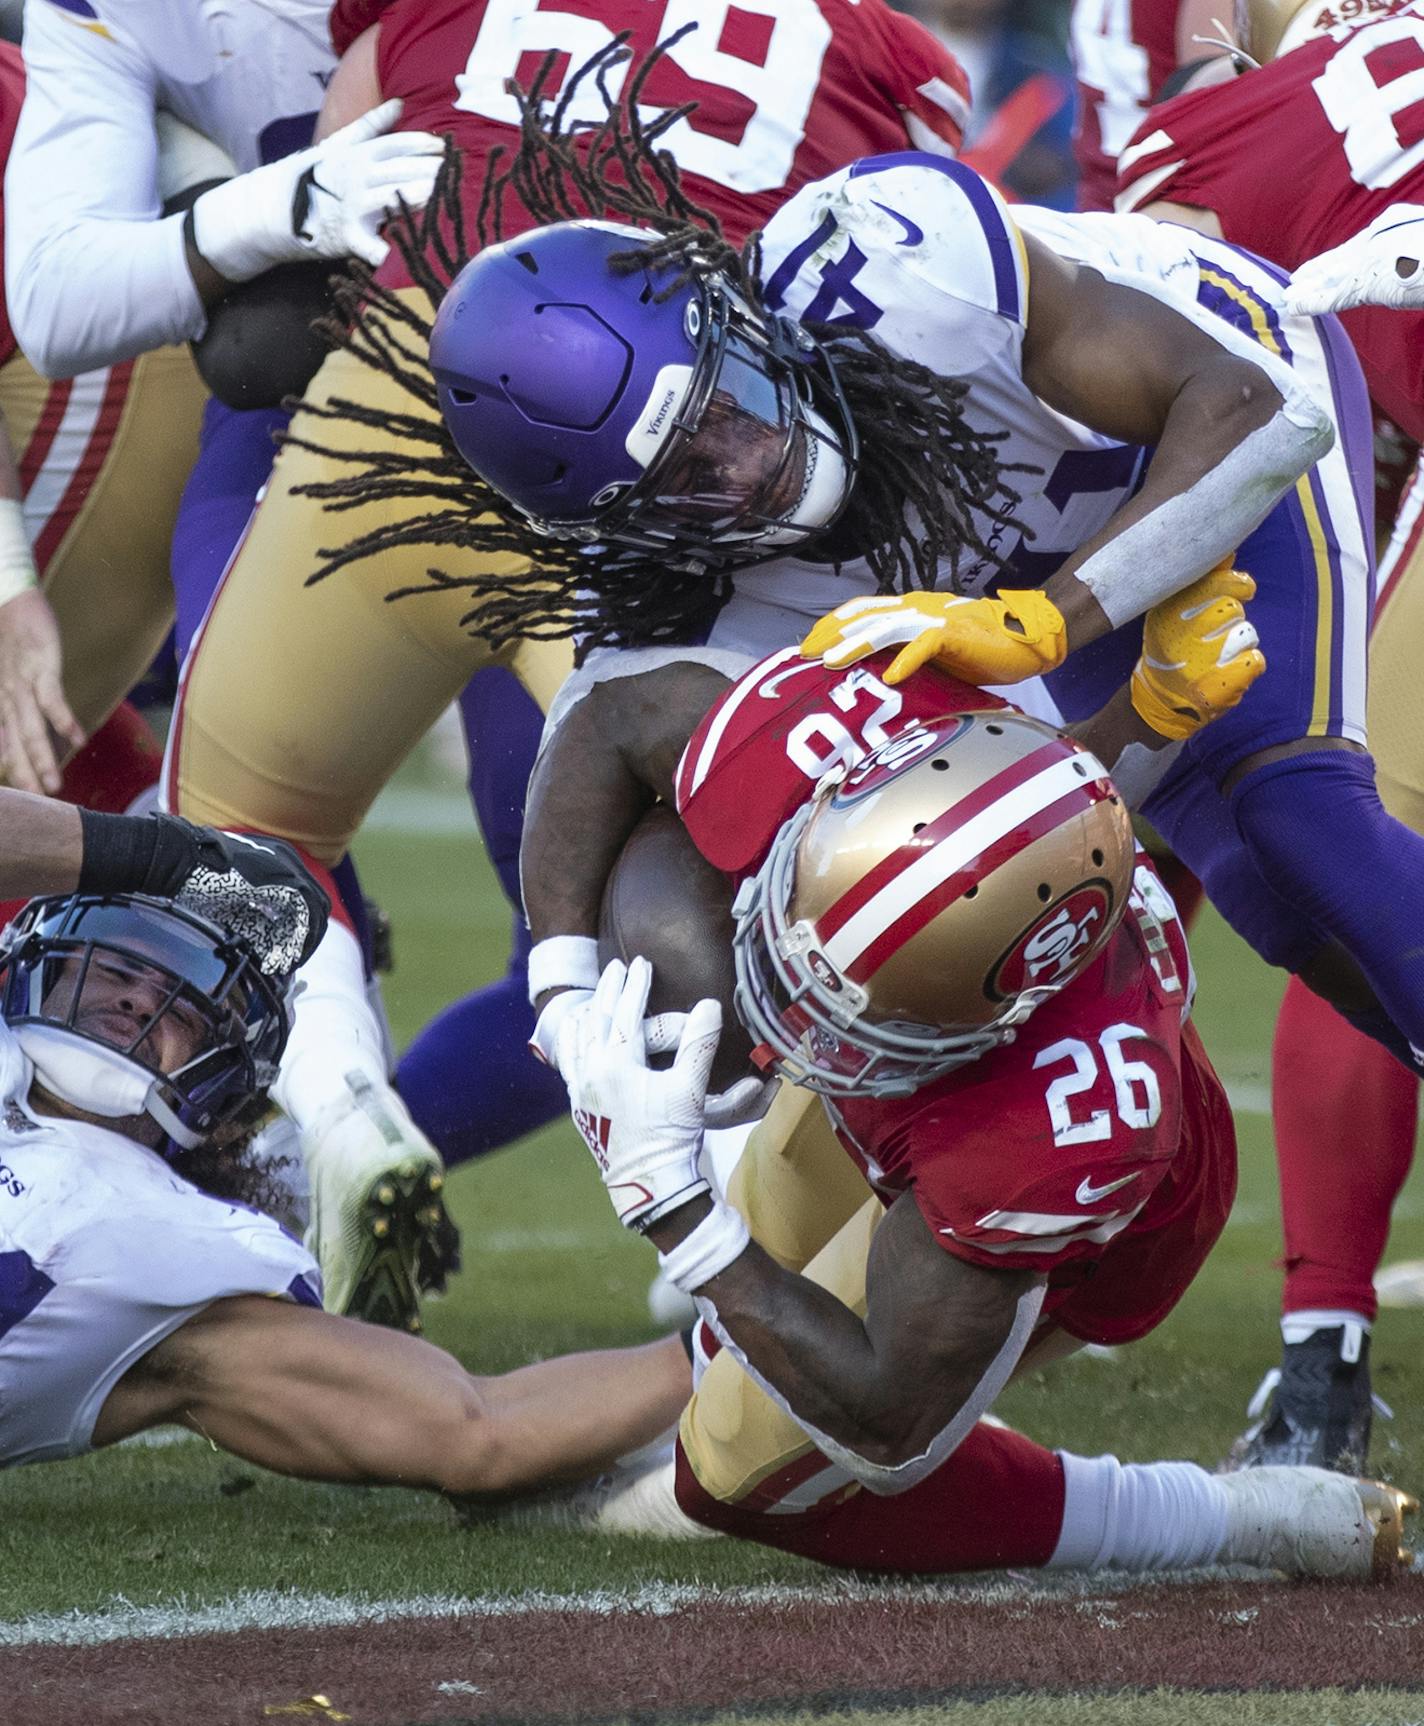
column 1317, row 1409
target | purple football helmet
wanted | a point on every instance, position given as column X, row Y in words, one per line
column 692, row 424
column 68, row 962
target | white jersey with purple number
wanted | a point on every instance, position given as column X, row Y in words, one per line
column 104, row 1251
column 924, row 254
column 920, row 251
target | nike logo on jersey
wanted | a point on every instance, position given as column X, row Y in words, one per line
column 914, row 233
column 1088, row 1194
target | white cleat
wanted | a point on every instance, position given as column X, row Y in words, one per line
column 1313, row 1522
column 376, row 1210
column 635, row 1497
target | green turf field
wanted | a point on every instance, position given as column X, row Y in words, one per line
column 547, row 1269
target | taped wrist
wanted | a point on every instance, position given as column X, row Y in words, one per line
column 720, row 1238
column 151, row 854
column 563, row 962
column 17, row 562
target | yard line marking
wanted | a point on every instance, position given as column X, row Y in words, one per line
column 271, row 1610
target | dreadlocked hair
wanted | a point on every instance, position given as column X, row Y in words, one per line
column 224, row 1167
column 926, row 478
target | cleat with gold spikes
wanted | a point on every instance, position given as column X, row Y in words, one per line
column 1310, row 1521
column 378, row 1226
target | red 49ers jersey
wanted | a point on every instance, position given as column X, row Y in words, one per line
column 786, row 90
column 1122, row 50
column 1097, row 1147
column 1298, row 157
column 756, row 755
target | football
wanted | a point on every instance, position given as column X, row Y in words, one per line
column 665, row 901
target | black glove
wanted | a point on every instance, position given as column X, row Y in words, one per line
column 255, row 887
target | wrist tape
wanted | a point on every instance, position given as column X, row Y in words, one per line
column 17, row 561
column 563, row 962
column 718, row 1240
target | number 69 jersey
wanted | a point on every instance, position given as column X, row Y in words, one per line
column 1097, row 1147
column 785, row 90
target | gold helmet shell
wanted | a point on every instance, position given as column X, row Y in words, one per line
column 915, row 910
column 1266, row 29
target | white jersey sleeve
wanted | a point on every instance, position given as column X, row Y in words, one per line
column 92, row 274
column 918, row 237
column 105, row 1251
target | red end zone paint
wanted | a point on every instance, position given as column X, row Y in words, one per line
column 877, row 1647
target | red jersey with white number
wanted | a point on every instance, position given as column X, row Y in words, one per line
column 1097, row 1147
column 1297, row 158
column 787, row 91
column 1122, row 50
column 12, row 93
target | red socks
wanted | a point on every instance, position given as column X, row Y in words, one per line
column 1344, row 1112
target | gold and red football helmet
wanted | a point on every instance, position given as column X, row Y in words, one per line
column 1266, row 29
column 918, row 907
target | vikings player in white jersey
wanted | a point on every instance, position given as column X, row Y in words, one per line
column 141, row 1279
column 1012, row 435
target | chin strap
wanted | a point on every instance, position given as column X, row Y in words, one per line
column 100, row 1081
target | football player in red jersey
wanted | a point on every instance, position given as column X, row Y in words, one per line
column 300, row 700
column 1122, row 51
column 1336, row 114
column 941, row 931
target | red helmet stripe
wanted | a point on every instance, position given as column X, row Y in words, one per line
column 971, row 804
column 926, row 908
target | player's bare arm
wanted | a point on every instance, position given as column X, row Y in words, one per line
column 1227, row 444
column 612, row 756
column 355, row 85
column 884, row 1387
column 311, row 1394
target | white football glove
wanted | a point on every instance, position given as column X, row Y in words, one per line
column 644, row 1126
column 328, row 201
column 1366, row 269
column 544, row 1038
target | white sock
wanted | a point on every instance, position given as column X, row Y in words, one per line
column 1299, row 1326
column 1138, row 1516
column 334, row 1030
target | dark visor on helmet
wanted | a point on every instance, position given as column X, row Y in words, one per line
column 744, row 443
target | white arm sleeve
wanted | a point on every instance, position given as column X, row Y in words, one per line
column 93, row 275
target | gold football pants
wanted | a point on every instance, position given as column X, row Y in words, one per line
column 1396, row 699
column 103, row 461
column 809, row 1206
column 300, row 702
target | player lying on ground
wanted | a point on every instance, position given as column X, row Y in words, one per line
column 945, row 936
column 140, row 1280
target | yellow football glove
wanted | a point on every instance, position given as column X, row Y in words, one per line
column 1003, row 640
column 1199, row 653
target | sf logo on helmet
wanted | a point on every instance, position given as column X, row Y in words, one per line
column 1051, row 951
